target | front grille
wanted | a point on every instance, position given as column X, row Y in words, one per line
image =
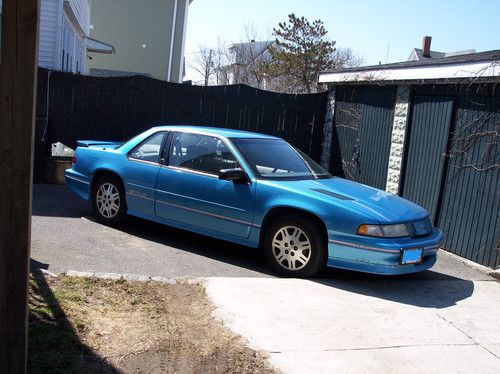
column 419, row 228
column 411, row 229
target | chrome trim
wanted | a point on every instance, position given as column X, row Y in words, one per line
column 140, row 197
column 194, row 210
column 436, row 246
column 363, row 246
column 77, row 179
column 205, row 213
column 140, row 186
column 203, row 201
column 432, row 247
column 192, row 171
column 143, row 162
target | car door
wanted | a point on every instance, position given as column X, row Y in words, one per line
column 190, row 192
column 141, row 172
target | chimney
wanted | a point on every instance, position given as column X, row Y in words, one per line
column 426, row 46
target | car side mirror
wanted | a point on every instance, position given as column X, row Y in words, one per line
column 236, row 175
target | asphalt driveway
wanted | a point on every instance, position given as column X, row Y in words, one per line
column 65, row 237
column 441, row 320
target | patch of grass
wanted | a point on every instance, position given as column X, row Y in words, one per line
column 87, row 325
column 53, row 344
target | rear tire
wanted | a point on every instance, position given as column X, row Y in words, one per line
column 108, row 200
column 295, row 247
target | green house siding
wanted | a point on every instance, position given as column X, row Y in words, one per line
column 141, row 34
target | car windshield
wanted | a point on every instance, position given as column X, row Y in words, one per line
column 276, row 159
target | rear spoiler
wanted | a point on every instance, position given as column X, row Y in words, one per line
column 88, row 143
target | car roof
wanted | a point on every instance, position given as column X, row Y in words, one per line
column 228, row 133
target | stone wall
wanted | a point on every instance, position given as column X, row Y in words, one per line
column 327, row 137
column 398, row 138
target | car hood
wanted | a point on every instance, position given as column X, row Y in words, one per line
column 383, row 206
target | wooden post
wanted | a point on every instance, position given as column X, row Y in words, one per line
column 17, row 112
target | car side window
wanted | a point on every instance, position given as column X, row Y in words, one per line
column 201, row 153
column 149, row 149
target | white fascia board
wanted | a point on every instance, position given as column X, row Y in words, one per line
column 452, row 71
column 97, row 46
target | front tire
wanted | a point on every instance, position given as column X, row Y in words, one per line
column 108, row 200
column 295, row 247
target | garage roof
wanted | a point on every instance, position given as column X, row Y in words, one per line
column 483, row 66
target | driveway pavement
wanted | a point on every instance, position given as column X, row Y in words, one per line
column 66, row 237
column 368, row 326
column 441, row 320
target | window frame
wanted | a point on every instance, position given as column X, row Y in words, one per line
column 166, row 137
column 168, row 149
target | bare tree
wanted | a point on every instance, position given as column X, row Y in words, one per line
column 345, row 58
column 208, row 62
column 203, row 64
column 476, row 138
column 475, row 141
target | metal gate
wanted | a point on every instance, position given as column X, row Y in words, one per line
column 451, row 169
column 363, row 121
column 469, row 213
column 428, row 138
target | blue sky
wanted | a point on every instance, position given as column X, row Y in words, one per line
column 367, row 27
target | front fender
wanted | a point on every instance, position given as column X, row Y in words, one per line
column 336, row 215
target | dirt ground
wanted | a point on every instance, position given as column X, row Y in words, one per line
column 94, row 325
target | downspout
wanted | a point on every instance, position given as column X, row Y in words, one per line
column 47, row 105
column 184, row 26
column 171, row 52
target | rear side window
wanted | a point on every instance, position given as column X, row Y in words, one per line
column 201, row 153
column 149, row 149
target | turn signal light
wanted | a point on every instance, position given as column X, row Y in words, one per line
column 370, row 230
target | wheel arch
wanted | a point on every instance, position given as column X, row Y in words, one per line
column 100, row 172
column 280, row 211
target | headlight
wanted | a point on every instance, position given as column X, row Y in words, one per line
column 395, row 231
column 384, row 231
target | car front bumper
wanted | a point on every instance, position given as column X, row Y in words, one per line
column 381, row 256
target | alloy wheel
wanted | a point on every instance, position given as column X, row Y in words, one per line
column 291, row 248
column 108, row 200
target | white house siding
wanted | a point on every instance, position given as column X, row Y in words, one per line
column 48, row 32
column 72, row 49
column 81, row 9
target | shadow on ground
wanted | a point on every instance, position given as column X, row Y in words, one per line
column 54, row 200
column 215, row 249
column 53, row 343
column 429, row 288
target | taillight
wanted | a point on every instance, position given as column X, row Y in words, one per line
column 73, row 160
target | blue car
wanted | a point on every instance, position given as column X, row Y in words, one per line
column 255, row 190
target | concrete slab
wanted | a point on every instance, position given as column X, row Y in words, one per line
column 375, row 325
column 453, row 265
column 421, row 359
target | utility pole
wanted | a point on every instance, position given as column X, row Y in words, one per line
column 17, row 113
